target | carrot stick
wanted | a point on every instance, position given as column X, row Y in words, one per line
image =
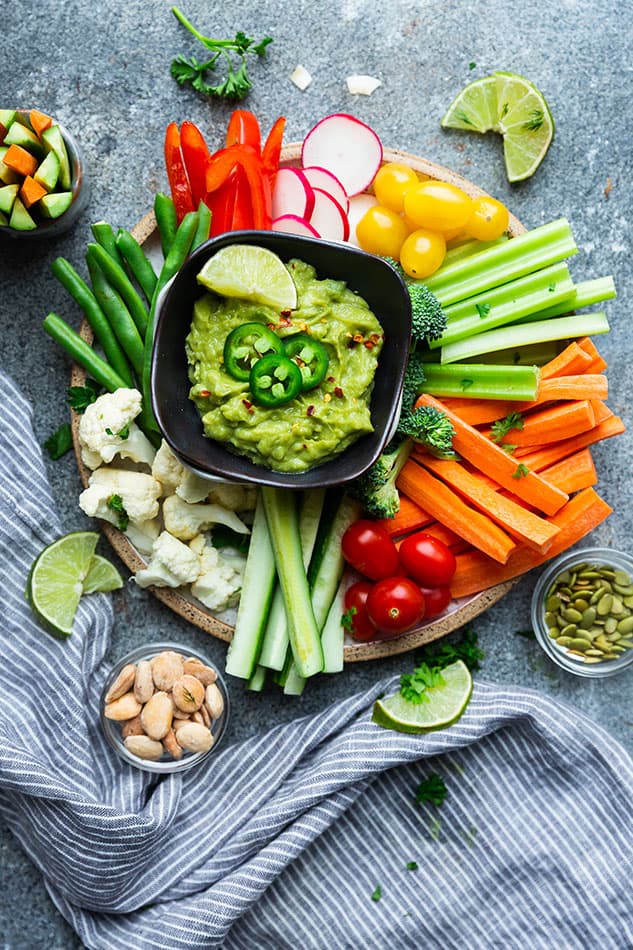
column 528, row 527
column 537, row 459
column 476, row 572
column 446, row 535
column 573, row 359
column 409, row 517
column 601, row 411
column 559, row 421
column 598, row 364
column 448, row 507
column 493, row 461
column 573, row 473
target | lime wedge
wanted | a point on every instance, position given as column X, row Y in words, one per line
column 445, row 704
column 102, row 576
column 55, row 581
column 475, row 108
column 512, row 106
column 250, row 273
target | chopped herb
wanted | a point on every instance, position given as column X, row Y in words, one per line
column 377, row 894
column 521, row 471
column 507, row 447
column 443, row 653
column 60, row 442
column 115, row 503
column 236, row 85
column 472, row 65
column 80, row 397
column 500, row 428
column 122, row 433
column 413, row 686
column 551, row 288
column 535, row 121
column 431, row 790
column 483, row 309
column 465, row 383
column 411, row 865
column 347, row 619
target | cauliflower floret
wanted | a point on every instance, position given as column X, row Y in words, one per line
column 233, row 495
column 219, row 581
column 126, row 499
column 167, row 468
column 172, row 564
column 185, row 521
column 107, row 428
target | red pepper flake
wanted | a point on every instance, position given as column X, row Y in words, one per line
column 358, row 338
column 204, row 392
column 331, row 379
column 370, row 344
column 249, row 405
column 310, row 411
column 286, row 313
column 338, row 392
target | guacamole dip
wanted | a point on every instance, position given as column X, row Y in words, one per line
column 316, row 424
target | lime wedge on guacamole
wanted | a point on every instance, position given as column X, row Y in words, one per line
column 444, row 704
column 250, row 273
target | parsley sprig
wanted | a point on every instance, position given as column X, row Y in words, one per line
column 431, row 790
column 500, row 428
column 233, row 52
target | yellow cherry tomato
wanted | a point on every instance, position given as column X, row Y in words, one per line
column 422, row 253
column 489, row 219
column 391, row 183
column 438, row 206
column 381, row 231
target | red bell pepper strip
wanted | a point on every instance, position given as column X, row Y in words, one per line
column 176, row 174
column 243, row 129
column 260, row 194
column 272, row 146
column 196, row 157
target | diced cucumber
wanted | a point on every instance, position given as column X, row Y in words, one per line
column 55, row 204
column 8, row 194
column 19, row 134
column 7, row 175
column 333, row 635
column 257, row 591
column 47, row 172
column 20, row 219
column 3, row 219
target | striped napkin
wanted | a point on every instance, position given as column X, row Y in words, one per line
column 309, row 836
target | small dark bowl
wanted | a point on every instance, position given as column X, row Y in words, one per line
column 178, row 419
column 78, row 186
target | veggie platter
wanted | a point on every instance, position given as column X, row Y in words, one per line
column 491, row 507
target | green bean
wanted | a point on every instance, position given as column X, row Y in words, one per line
column 166, row 219
column 104, row 235
column 82, row 294
column 117, row 314
column 82, row 353
column 117, row 278
column 204, row 226
column 137, row 261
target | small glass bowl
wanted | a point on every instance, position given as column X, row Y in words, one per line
column 78, row 186
column 572, row 662
column 112, row 728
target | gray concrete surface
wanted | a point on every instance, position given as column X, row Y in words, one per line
column 103, row 70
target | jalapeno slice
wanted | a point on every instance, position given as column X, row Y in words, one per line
column 274, row 380
column 310, row 356
column 245, row 345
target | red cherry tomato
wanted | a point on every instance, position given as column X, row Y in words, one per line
column 355, row 603
column 427, row 560
column 368, row 547
column 436, row 600
column 395, row 604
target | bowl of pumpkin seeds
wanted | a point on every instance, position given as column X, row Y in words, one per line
column 582, row 611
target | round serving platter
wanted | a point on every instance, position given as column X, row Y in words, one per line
column 460, row 611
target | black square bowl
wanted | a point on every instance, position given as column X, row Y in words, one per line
column 177, row 417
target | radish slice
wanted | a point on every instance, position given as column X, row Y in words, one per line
column 292, row 194
column 329, row 219
column 358, row 205
column 346, row 147
column 293, row 224
column 326, row 181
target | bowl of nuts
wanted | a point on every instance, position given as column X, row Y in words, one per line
column 582, row 611
column 164, row 708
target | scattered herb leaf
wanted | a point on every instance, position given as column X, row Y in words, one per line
column 507, row 447
column 122, row 433
column 443, row 652
column 483, row 309
column 347, row 619
column 115, row 503
column 465, row 383
column 80, row 397
column 431, row 790
column 60, row 442
column 413, row 686
column 500, row 428
column 412, row 865
column 521, row 471
column 551, row 288
column 377, row 894
column 472, row 65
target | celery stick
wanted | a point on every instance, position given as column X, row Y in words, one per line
column 257, row 591
column 283, row 525
column 505, row 304
column 481, row 381
column 275, row 643
column 586, row 293
column 534, row 354
column 465, row 249
column 522, row 334
column 524, row 254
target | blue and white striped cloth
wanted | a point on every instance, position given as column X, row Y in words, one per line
column 283, row 840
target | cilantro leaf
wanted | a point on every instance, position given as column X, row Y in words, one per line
column 413, row 686
column 377, row 894
column 80, row 397
column 483, row 309
column 521, row 471
column 500, row 428
column 444, row 652
column 411, row 865
column 115, row 503
column 60, row 442
column 431, row 790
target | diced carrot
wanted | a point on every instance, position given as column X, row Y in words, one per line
column 409, row 517
column 39, row 121
column 560, row 421
column 31, row 191
column 477, row 572
column 598, row 364
column 536, row 459
column 528, row 527
column 20, row 160
column 470, row 524
column 573, row 473
column 493, row 461
column 570, row 361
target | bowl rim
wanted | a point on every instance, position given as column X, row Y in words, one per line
column 327, row 473
column 109, row 727
column 558, row 655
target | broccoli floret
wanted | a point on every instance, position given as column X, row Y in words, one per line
column 428, row 320
column 376, row 488
column 424, row 424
